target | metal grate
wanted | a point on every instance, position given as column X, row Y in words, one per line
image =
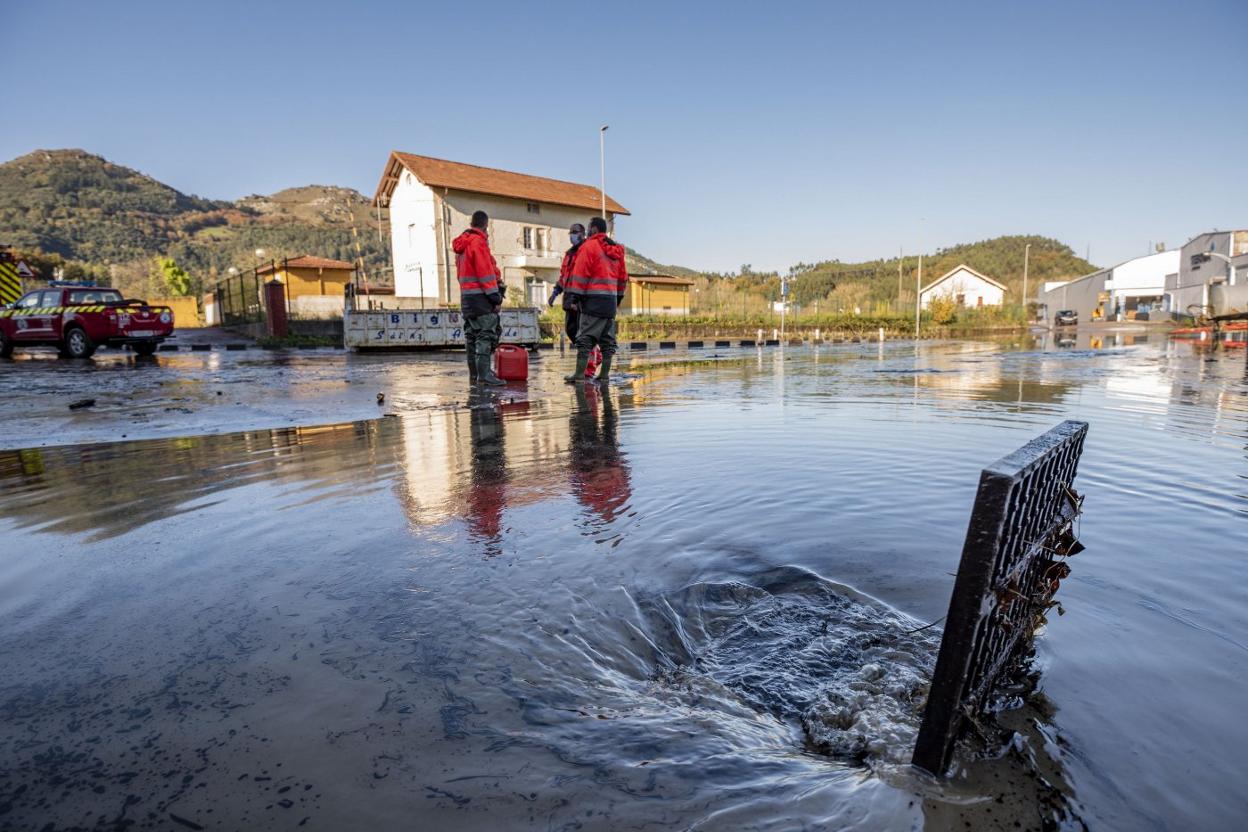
column 1012, row 561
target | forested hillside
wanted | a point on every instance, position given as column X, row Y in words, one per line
column 877, row 285
column 111, row 222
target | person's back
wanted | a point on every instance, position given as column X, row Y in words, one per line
column 480, row 298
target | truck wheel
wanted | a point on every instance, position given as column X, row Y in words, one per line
column 6, row 346
column 78, row 344
column 144, row 349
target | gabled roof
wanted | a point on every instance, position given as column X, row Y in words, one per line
column 439, row 173
column 306, row 262
column 961, row 267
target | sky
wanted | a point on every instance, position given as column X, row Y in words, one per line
column 740, row 133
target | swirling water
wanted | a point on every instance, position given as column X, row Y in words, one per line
column 694, row 601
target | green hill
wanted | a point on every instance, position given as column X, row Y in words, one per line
column 83, row 209
column 874, row 284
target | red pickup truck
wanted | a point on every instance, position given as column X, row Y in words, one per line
column 79, row 319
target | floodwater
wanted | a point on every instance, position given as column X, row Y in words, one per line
column 691, row 601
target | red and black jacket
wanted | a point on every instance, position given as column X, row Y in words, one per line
column 599, row 276
column 480, row 292
column 565, row 272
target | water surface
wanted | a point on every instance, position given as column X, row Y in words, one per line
column 693, row 601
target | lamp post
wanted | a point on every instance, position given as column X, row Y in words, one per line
column 1026, row 257
column 602, row 167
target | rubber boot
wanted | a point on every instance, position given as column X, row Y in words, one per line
column 578, row 375
column 472, row 367
column 485, row 373
column 604, row 371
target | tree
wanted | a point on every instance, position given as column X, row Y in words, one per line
column 943, row 309
column 175, row 279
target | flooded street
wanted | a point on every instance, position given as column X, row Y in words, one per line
column 695, row 600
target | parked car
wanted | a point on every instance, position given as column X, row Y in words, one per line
column 1066, row 317
column 78, row 319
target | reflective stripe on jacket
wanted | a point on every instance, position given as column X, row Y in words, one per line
column 477, row 271
column 599, row 276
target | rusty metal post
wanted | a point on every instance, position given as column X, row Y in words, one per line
column 275, row 307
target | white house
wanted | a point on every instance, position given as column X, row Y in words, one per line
column 432, row 200
column 965, row 286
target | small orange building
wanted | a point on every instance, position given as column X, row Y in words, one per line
column 307, row 275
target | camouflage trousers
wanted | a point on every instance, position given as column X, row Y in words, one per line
column 481, row 334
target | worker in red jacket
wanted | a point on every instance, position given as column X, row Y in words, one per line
column 571, row 314
column 480, row 297
column 597, row 285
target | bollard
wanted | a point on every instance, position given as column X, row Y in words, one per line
column 881, row 334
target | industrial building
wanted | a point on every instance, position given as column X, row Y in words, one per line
column 432, row 200
column 1209, row 259
column 1132, row 290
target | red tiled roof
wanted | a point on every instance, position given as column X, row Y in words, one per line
column 439, row 173
column 307, row 262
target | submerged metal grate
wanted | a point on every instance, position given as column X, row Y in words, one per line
column 1012, row 561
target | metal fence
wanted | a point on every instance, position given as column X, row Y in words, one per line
column 241, row 299
column 1020, row 533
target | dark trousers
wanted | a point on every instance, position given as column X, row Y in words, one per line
column 571, row 323
column 596, row 332
column 481, row 334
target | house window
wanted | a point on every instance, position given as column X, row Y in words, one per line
column 961, row 300
column 542, row 239
column 534, row 208
column 528, row 237
column 979, row 301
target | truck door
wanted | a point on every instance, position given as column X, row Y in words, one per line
column 45, row 324
column 22, row 319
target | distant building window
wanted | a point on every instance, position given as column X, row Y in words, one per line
column 534, row 208
column 961, row 300
column 409, row 178
column 528, row 237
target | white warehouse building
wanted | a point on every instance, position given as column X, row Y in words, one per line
column 1135, row 288
column 431, row 202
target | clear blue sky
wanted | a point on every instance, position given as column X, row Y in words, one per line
column 762, row 133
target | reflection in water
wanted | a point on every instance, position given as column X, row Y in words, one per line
column 487, row 493
column 597, row 469
column 411, row 620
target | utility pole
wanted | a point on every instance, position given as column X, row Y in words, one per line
column 900, row 260
column 918, row 284
column 602, row 167
column 1026, row 256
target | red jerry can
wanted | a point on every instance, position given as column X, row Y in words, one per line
column 511, row 363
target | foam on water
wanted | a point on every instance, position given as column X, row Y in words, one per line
column 852, row 672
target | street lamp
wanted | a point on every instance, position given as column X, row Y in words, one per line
column 602, row 167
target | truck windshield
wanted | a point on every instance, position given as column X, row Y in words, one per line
column 95, row 296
